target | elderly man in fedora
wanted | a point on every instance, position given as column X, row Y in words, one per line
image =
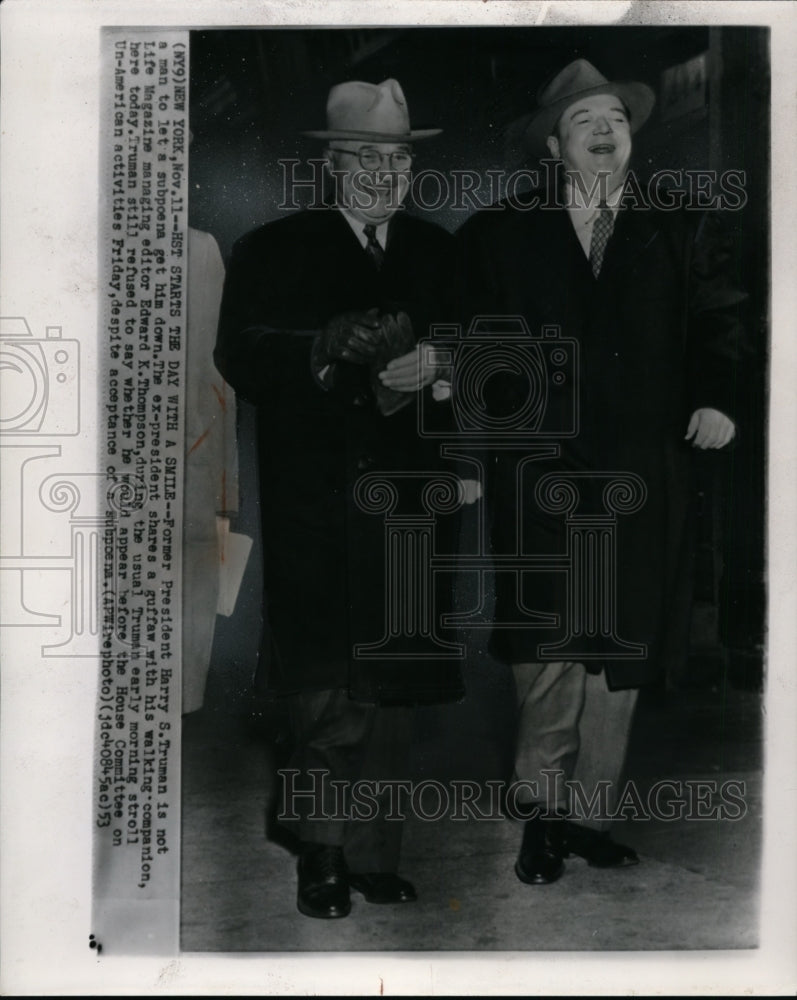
column 321, row 314
column 647, row 297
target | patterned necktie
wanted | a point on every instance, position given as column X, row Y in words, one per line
column 601, row 232
column 373, row 247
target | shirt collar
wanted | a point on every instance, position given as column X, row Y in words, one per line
column 587, row 211
column 357, row 228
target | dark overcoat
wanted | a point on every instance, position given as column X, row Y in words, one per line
column 658, row 335
column 324, row 555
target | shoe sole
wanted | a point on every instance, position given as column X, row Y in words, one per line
column 319, row 915
column 538, row 879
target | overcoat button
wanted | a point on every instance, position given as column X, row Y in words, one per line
column 359, row 400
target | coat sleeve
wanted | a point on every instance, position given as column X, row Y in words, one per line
column 716, row 338
column 476, row 292
column 253, row 347
column 269, row 321
column 481, row 295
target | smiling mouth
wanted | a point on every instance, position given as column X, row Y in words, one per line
column 602, row 147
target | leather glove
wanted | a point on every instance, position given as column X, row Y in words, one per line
column 351, row 336
column 397, row 335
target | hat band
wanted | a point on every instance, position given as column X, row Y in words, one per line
column 360, row 134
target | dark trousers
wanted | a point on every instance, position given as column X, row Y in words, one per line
column 339, row 743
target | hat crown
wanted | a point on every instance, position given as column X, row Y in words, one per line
column 369, row 107
column 580, row 80
column 576, row 77
column 369, row 112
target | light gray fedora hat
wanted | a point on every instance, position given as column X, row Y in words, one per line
column 577, row 80
column 373, row 112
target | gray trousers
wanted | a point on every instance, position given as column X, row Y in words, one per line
column 339, row 743
column 572, row 729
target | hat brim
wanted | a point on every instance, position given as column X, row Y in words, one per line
column 639, row 98
column 412, row 136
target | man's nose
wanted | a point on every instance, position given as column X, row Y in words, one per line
column 602, row 125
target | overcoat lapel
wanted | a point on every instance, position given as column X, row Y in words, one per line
column 558, row 279
column 636, row 234
column 349, row 252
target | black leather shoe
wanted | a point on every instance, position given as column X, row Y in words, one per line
column 383, row 887
column 323, row 884
column 597, row 848
column 540, row 858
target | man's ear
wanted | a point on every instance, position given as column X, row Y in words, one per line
column 329, row 158
column 553, row 146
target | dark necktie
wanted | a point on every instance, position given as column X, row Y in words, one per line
column 601, row 232
column 373, row 247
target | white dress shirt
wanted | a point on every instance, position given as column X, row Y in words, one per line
column 358, row 228
column 583, row 214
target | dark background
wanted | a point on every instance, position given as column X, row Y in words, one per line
column 253, row 91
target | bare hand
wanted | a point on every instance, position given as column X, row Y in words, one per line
column 710, row 429
column 470, row 490
column 411, row 372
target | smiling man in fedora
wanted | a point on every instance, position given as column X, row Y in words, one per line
column 647, row 298
column 321, row 314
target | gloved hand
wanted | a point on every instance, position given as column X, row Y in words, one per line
column 398, row 335
column 351, row 336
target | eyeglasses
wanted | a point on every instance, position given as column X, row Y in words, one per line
column 371, row 159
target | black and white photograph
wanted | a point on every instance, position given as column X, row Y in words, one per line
column 397, row 560
column 638, row 379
